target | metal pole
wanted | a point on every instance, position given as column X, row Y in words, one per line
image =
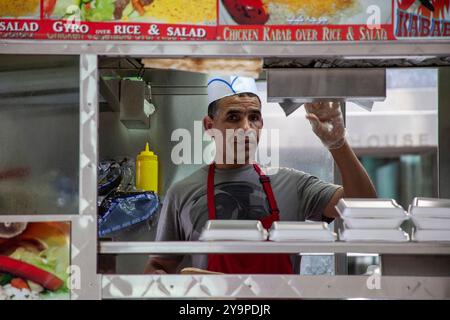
column 340, row 259
column 85, row 283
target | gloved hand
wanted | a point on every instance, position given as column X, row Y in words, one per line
column 327, row 123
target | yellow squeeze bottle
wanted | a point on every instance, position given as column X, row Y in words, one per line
column 147, row 170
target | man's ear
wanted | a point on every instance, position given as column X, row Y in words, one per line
column 208, row 125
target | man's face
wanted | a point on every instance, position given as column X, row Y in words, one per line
column 239, row 121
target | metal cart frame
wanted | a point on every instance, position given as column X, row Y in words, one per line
column 85, row 247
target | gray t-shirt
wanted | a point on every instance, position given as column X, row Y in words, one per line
column 238, row 195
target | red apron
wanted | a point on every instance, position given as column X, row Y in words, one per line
column 248, row 263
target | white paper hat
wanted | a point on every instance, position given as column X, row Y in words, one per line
column 223, row 86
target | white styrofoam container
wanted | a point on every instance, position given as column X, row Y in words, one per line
column 301, row 231
column 431, row 235
column 373, row 223
column 431, row 223
column 373, row 235
column 430, row 208
column 305, row 235
column 238, row 230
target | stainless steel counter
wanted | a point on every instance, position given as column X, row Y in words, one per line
column 190, row 247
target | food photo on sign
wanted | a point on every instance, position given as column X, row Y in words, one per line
column 34, row 260
column 200, row 12
column 20, row 9
column 428, row 8
column 293, row 12
column 422, row 19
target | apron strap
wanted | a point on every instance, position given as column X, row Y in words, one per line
column 265, row 181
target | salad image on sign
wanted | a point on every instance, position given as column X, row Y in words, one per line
column 199, row 12
column 34, row 260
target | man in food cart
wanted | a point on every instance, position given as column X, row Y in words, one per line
column 235, row 187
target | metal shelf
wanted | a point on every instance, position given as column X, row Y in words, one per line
column 385, row 49
column 194, row 247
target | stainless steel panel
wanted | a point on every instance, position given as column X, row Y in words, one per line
column 266, row 286
column 306, row 85
column 132, row 96
column 38, row 218
column 39, row 136
column 419, row 48
column 109, row 90
column 52, row 97
column 84, row 227
column 191, row 247
column 47, row 79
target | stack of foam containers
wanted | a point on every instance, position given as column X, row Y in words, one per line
column 372, row 220
column 431, row 218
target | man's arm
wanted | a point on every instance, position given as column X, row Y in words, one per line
column 328, row 124
column 355, row 180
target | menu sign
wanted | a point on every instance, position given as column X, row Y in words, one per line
column 290, row 20
column 225, row 20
